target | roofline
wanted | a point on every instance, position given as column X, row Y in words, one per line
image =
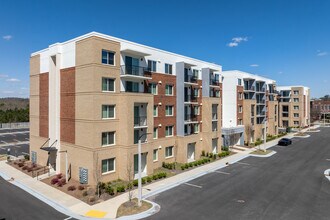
column 251, row 74
column 97, row 34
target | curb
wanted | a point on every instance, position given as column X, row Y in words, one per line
column 267, row 155
column 306, row 136
column 327, row 174
column 153, row 210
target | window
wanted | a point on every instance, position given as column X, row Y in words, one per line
column 240, row 122
column 296, row 122
column 195, row 74
column 196, row 110
column 108, row 57
column 240, row 96
column 296, row 115
column 239, row 82
column 155, row 155
column 169, row 151
column 155, row 110
column 132, row 86
column 108, row 85
column 296, row 100
column 108, row 111
column 155, row 133
column 169, row 110
column 240, row 109
column 196, row 92
column 168, row 68
column 217, row 93
column 196, row 128
column 152, row 65
column 153, row 89
column 296, row 107
column 169, row 131
column 168, row 90
column 108, row 165
column 296, row 92
column 108, row 138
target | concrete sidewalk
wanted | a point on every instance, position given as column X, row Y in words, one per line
column 78, row 209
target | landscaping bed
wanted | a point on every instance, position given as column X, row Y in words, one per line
column 28, row 167
column 300, row 134
column 261, row 152
column 131, row 208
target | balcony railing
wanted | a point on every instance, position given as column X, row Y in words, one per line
column 140, row 121
column 190, row 98
column 190, row 78
column 214, row 82
column 249, row 88
column 135, row 71
column 261, row 101
column 190, row 117
column 261, row 89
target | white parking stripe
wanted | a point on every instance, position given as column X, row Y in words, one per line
column 67, row 218
column 243, row 163
column 327, row 159
column 16, row 140
column 189, row 184
column 4, row 142
column 26, row 138
column 221, row 172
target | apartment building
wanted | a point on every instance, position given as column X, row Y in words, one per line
column 249, row 106
column 93, row 97
column 294, row 106
column 320, row 108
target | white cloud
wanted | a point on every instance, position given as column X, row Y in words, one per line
column 280, row 72
column 321, row 53
column 13, row 80
column 254, row 65
column 3, row 76
column 7, row 92
column 7, row 37
column 236, row 41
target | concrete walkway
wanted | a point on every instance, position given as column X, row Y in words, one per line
column 78, row 209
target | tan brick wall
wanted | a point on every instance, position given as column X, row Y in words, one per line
column 43, row 105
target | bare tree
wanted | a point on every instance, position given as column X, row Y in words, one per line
column 97, row 172
column 249, row 133
column 130, row 176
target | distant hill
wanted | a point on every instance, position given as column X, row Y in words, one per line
column 12, row 103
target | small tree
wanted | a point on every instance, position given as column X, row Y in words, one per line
column 97, row 172
column 130, row 177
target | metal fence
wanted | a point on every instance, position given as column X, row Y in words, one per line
column 15, row 125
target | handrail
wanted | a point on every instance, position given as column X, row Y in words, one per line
column 44, row 143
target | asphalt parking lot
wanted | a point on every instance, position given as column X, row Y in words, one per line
column 16, row 140
column 289, row 185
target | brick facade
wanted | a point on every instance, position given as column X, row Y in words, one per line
column 44, row 105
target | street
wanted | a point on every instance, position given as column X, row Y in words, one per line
column 289, row 185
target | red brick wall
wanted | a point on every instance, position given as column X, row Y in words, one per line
column 43, row 104
column 67, row 112
column 200, row 101
column 165, row 100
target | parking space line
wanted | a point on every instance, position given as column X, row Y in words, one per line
column 189, row 184
column 327, row 159
column 4, row 142
column 67, row 218
column 243, row 163
column 221, row 172
column 27, row 139
column 16, row 140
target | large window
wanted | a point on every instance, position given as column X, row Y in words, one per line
column 155, row 133
column 155, row 110
column 169, row 110
column 169, row 151
column 169, row 131
column 296, row 115
column 168, row 68
column 108, row 165
column 155, row 155
column 108, row 57
column 108, row 85
column 296, row 100
column 153, row 88
column 152, row 65
column 108, row 138
column 108, row 111
column 296, row 92
column 168, row 90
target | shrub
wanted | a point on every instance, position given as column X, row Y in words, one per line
column 60, row 175
column 203, row 153
column 91, row 199
column 59, row 184
column 20, row 164
column 24, row 168
column 186, row 165
column 183, row 167
column 149, row 179
column 170, row 166
column 207, row 154
column 143, row 180
column 72, row 188
column 80, row 187
column 29, row 169
column 85, row 193
column 214, row 156
column 26, row 157
column 109, row 190
column 34, row 165
column 54, row 180
column 102, row 185
column 190, row 164
column 210, row 155
column 120, row 188
column 135, row 183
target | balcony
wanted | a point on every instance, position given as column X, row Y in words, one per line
column 190, row 79
column 249, row 88
column 135, row 72
column 214, row 82
column 190, row 118
column 261, row 89
column 140, row 121
column 261, row 101
column 215, row 93
column 190, row 98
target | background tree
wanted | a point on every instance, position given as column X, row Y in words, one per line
column 97, row 172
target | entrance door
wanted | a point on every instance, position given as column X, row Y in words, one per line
column 191, row 152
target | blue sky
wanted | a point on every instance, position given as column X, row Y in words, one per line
column 286, row 40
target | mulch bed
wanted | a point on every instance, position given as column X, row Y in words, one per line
column 28, row 167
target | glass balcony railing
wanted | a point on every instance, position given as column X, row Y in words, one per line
column 190, row 117
column 190, row 78
column 140, row 121
column 135, row 71
column 190, row 98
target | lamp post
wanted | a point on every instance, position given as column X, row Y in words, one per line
column 66, row 164
column 139, row 171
